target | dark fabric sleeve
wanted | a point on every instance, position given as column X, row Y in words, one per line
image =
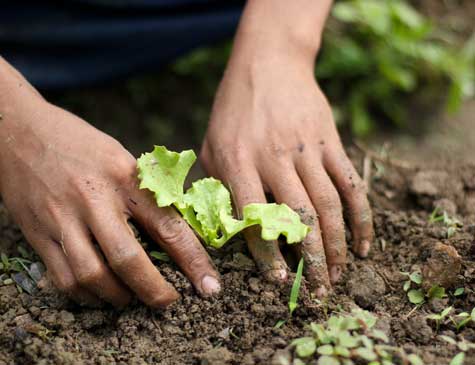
column 67, row 44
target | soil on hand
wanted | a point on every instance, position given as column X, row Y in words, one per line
column 238, row 327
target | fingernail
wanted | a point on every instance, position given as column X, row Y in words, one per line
column 210, row 285
column 364, row 248
column 321, row 292
column 276, row 275
column 335, row 273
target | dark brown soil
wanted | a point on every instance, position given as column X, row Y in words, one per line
column 238, row 327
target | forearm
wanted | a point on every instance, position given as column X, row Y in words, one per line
column 16, row 96
column 281, row 27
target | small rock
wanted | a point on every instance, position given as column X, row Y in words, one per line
column 438, row 304
column 418, row 330
column 366, row 287
column 217, row 356
column 24, row 320
column 66, row 318
column 20, row 333
column 442, row 266
column 279, row 342
column 255, row 285
column 282, row 357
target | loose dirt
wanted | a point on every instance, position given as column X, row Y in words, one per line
column 238, row 327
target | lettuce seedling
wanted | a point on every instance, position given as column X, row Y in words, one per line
column 206, row 206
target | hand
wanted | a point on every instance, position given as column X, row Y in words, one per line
column 72, row 189
column 272, row 130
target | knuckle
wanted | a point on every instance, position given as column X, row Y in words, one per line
column 66, row 284
column 197, row 261
column 234, row 157
column 90, row 275
column 173, row 231
column 329, row 202
column 123, row 258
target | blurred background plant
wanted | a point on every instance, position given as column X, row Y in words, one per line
column 378, row 57
column 384, row 63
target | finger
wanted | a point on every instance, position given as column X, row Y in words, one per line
column 174, row 235
column 90, row 269
column 327, row 203
column 128, row 259
column 354, row 195
column 287, row 188
column 59, row 270
column 246, row 188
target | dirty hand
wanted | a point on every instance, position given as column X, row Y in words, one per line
column 72, row 189
column 272, row 130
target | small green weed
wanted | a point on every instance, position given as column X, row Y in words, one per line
column 463, row 346
column 349, row 338
column 439, row 318
column 417, row 295
column 452, row 224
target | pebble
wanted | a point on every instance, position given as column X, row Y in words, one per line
column 366, row 287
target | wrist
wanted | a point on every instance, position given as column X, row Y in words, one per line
column 281, row 29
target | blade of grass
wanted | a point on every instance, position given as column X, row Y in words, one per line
column 294, row 293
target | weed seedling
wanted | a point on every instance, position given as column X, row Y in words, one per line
column 452, row 224
column 439, row 318
column 463, row 346
column 463, row 319
column 350, row 338
column 417, row 295
column 294, row 292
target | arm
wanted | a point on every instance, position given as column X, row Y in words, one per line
column 69, row 186
column 272, row 130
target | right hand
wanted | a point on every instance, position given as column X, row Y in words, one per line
column 72, row 189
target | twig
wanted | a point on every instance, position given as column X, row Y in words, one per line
column 386, row 160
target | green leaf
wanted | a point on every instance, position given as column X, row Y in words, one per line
column 436, row 292
column 345, row 12
column 407, row 15
column 162, row 256
column 206, row 206
column 294, row 292
column 472, row 314
column 342, row 351
column 347, row 340
column 379, row 335
column 325, row 350
column 445, row 312
column 458, row 359
column 416, row 277
column 415, row 360
column 279, row 323
column 328, row 360
column 366, row 354
column 5, row 262
column 163, row 172
column 459, row 291
column 320, row 332
column 276, row 219
column 416, row 296
column 304, row 346
column 211, row 203
column 407, row 285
